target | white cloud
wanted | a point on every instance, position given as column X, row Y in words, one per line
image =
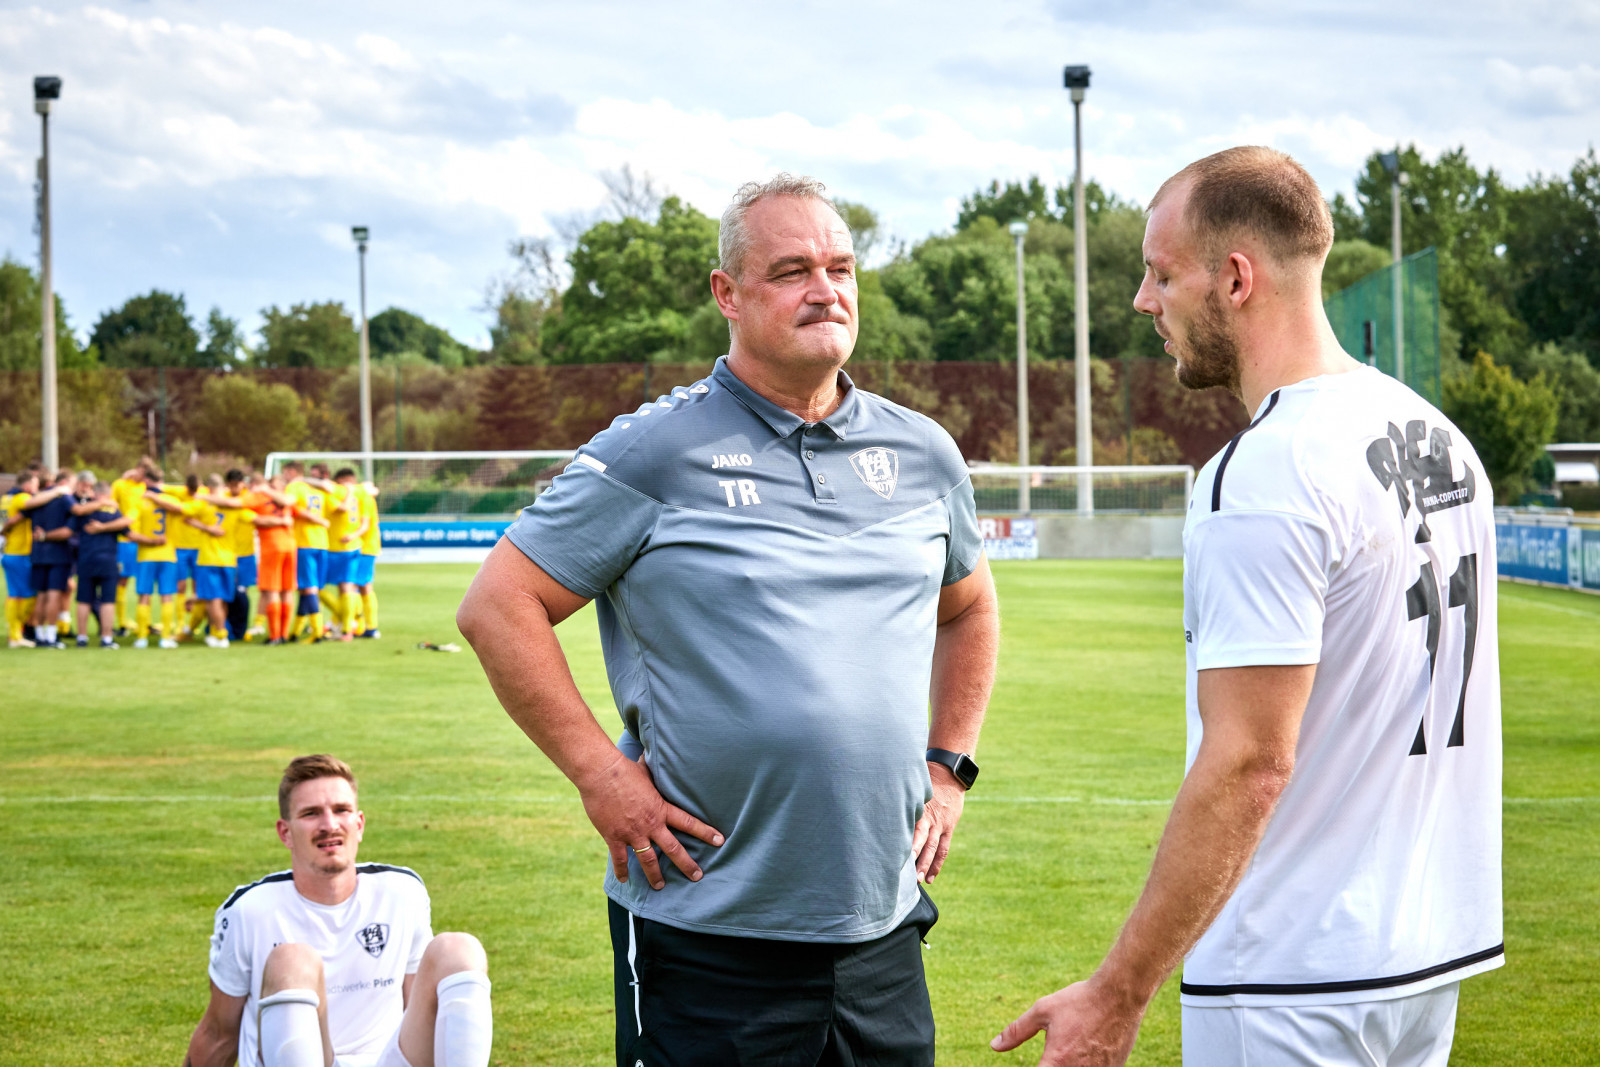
column 1546, row 89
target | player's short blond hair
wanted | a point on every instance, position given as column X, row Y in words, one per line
column 733, row 236
column 307, row 769
column 1257, row 191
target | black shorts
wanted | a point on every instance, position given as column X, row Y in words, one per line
column 51, row 576
column 687, row 999
column 97, row 587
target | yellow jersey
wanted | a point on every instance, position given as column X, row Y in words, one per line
column 182, row 534
column 153, row 521
column 244, row 531
column 126, row 494
column 309, row 499
column 19, row 539
column 372, row 540
column 345, row 522
column 219, row 551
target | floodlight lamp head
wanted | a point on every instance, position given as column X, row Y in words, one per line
column 1019, row 228
column 1076, row 78
column 1391, row 163
column 359, row 233
column 45, row 89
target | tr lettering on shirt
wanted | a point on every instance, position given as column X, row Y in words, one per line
column 747, row 491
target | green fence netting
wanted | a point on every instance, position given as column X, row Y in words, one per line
column 1363, row 318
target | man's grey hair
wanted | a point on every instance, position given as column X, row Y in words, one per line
column 733, row 238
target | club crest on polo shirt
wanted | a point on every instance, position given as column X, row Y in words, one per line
column 879, row 468
column 373, row 937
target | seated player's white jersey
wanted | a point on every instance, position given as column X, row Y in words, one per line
column 368, row 945
column 1352, row 526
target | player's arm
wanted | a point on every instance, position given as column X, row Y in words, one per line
column 356, row 534
column 88, row 507
column 117, row 525
column 43, row 497
column 509, row 616
column 220, row 500
column 1250, row 719
column 965, row 647
column 214, row 531
column 216, row 1040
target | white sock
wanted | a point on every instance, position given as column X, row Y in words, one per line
column 47, row 634
column 464, row 1028
column 291, row 1034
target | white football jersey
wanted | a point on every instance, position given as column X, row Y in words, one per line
column 368, row 945
column 1351, row 526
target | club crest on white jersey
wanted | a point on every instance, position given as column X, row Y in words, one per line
column 373, row 937
column 879, row 469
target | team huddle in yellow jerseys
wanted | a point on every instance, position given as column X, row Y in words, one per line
column 192, row 551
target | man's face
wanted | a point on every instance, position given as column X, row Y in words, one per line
column 1182, row 294
column 323, row 830
column 797, row 297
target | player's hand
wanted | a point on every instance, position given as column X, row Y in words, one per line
column 931, row 841
column 1084, row 1026
column 622, row 802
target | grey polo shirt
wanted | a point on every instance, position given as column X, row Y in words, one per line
column 767, row 592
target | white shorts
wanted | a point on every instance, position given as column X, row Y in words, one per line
column 391, row 1056
column 1414, row 1031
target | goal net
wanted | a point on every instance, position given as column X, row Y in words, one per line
column 1135, row 490
column 445, row 483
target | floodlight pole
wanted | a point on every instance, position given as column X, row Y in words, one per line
column 45, row 90
column 360, row 234
column 1019, row 230
column 1076, row 79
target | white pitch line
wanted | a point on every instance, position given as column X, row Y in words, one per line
column 1590, row 615
column 425, row 798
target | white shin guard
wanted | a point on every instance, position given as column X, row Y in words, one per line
column 464, row 1028
column 291, row 1034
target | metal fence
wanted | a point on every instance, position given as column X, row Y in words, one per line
column 1363, row 318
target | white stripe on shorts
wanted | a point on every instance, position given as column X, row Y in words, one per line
column 633, row 953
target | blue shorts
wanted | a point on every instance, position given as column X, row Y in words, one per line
column 245, row 571
column 19, row 576
column 97, row 586
column 188, row 559
column 310, row 564
column 127, row 559
column 214, row 583
column 362, row 573
column 156, row 576
column 52, row 576
column 341, row 567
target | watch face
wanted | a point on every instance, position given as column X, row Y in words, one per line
column 966, row 770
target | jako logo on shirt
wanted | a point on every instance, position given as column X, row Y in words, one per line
column 373, row 937
column 879, row 468
column 739, row 459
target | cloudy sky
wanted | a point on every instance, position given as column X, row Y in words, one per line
column 223, row 149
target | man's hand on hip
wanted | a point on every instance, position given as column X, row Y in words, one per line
column 1084, row 1024
column 931, row 842
column 622, row 802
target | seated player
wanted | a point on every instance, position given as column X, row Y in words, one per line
column 50, row 509
column 16, row 558
column 335, row 962
column 98, row 523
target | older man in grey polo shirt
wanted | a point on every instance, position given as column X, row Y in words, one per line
column 788, row 572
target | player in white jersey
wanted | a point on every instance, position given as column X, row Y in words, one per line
column 333, row 963
column 1331, row 867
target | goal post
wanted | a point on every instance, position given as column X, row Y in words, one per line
column 439, row 484
column 1154, row 489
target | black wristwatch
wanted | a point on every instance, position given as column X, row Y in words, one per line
column 960, row 765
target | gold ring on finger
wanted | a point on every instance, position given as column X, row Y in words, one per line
column 642, row 851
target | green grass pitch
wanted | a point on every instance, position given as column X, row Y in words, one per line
column 136, row 793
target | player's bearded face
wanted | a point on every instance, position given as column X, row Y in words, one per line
column 1207, row 351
